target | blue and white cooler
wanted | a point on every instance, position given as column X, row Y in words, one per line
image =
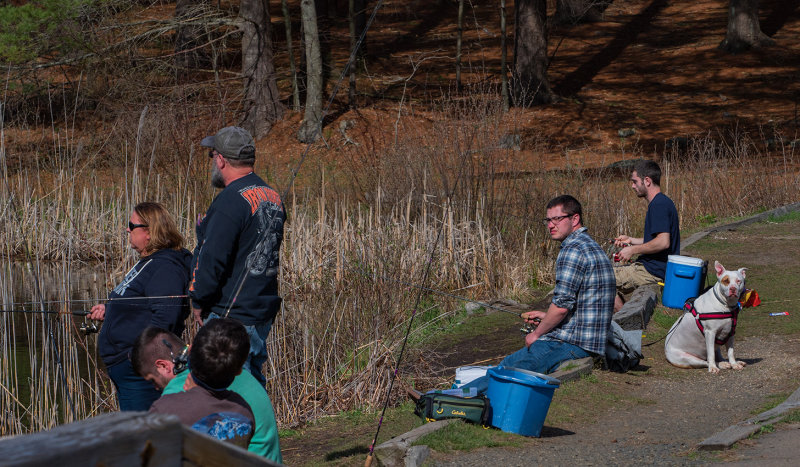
column 684, row 279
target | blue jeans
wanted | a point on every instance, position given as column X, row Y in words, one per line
column 543, row 356
column 133, row 392
column 258, row 346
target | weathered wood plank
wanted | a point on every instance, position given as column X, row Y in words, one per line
column 113, row 439
column 204, row 451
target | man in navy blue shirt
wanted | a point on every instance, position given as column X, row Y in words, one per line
column 662, row 236
column 235, row 263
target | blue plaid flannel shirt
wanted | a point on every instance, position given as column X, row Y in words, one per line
column 585, row 285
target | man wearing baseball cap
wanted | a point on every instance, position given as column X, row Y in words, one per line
column 235, row 263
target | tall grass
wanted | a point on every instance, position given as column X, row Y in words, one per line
column 355, row 246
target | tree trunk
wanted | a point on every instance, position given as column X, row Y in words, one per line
column 530, row 54
column 744, row 31
column 189, row 38
column 311, row 128
column 287, row 19
column 261, row 104
column 503, row 55
column 579, row 11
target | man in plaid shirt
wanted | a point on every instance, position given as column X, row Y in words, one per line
column 577, row 322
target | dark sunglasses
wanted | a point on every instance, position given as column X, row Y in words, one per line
column 132, row 226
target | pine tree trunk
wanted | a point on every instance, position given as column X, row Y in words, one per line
column 530, row 54
column 261, row 103
column 311, row 128
column 744, row 31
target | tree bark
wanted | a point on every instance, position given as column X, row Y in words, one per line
column 287, row 19
column 530, row 54
column 311, row 128
column 579, row 11
column 261, row 103
column 744, row 31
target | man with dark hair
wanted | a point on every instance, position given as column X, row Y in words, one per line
column 235, row 263
column 577, row 321
column 207, row 406
column 662, row 236
column 159, row 357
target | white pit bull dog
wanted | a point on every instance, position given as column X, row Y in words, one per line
column 694, row 339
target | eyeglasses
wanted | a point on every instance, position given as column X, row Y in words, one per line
column 555, row 219
column 132, row 226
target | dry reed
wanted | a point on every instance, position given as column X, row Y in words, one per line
column 351, row 255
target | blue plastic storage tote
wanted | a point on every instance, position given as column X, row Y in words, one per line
column 683, row 280
column 520, row 399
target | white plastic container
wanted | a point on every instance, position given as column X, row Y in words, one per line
column 466, row 374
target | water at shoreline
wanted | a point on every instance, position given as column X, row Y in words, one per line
column 36, row 392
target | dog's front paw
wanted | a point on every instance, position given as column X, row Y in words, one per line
column 725, row 365
column 713, row 369
column 739, row 365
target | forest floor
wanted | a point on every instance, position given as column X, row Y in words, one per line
column 651, row 70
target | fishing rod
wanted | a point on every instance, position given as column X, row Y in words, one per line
column 85, row 328
column 95, row 300
column 50, row 312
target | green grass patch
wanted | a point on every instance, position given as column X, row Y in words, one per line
column 788, row 217
column 792, row 416
column 466, row 437
column 773, row 400
column 285, row 433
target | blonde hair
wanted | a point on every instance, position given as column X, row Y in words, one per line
column 163, row 231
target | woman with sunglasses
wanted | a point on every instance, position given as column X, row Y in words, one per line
column 153, row 293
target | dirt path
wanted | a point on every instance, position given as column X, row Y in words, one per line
column 661, row 419
column 663, row 411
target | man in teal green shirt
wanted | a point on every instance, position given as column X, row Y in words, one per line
column 158, row 357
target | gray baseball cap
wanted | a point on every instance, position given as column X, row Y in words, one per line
column 233, row 142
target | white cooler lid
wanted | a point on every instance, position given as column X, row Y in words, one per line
column 685, row 260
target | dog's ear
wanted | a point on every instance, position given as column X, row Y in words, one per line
column 719, row 268
column 741, row 271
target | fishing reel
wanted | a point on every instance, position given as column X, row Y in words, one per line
column 88, row 328
column 528, row 328
column 179, row 362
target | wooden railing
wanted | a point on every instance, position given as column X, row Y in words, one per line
column 124, row 439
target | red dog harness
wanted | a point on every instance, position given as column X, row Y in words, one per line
column 698, row 318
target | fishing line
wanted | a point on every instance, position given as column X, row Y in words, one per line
column 50, row 312
column 425, row 275
column 243, row 275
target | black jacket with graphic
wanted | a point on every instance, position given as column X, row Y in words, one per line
column 141, row 300
column 239, row 239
